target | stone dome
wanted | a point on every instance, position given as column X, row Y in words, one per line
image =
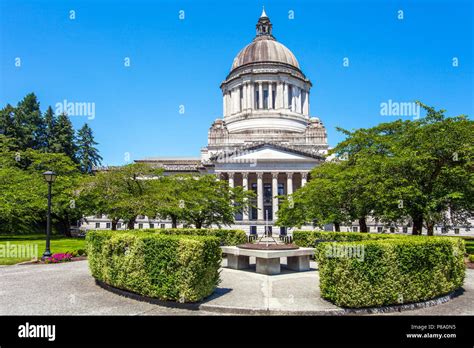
column 265, row 49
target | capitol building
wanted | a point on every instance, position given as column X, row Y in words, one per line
column 266, row 141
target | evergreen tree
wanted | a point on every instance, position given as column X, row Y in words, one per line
column 87, row 155
column 28, row 125
column 50, row 122
column 6, row 120
column 63, row 139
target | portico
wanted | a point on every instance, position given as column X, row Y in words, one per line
column 270, row 171
column 267, row 186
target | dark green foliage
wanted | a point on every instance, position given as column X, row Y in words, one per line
column 226, row 237
column 176, row 268
column 64, row 138
column 389, row 269
column 87, row 155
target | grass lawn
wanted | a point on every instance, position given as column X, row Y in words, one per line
column 59, row 244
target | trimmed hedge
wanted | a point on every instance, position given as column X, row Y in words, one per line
column 177, row 268
column 308, row 239
column 226, row 237
column 372, row 270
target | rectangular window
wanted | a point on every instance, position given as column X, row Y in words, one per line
column 162, row 226
column 119, row 225
column 273, row 97
column 257, row 98
column 97, row 225
column 152, row 225
column 107, row 225
column 281, row 189
column 253, row 229
column 355, row 229
column 405, row 229
column 368, row 228
column 265, row 99
column 379, row 229
column 290, row 98
column 241, row 102
column 456, row 231
column 140, row 226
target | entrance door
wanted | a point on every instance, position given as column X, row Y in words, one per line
column 268, row 231
column 267, row 212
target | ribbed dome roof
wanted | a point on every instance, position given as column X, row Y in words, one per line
column 264, row 49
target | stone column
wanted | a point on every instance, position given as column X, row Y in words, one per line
column 260, row 196
column 298, row 100
column 306, row 103
column 270, row 95
column 293, row 101
column 289, row 183
column 252, row 95
column 245, row 185
column 224, row 102
column 232, row 101
column 231, row 179
column 260, row 95
column 304, row 179
column 274, row 195
column 285, row 95
column 237, row 93
column 279, row 96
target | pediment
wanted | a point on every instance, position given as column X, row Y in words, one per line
column 268, row 153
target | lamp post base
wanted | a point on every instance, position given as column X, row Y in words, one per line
column 46, row 254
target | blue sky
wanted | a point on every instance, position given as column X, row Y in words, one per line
column 177, row 62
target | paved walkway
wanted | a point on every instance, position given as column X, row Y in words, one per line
column 69, row 289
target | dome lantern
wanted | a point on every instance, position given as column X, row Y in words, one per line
column 264, row 26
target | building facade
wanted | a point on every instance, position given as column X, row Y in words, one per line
column 266, row 140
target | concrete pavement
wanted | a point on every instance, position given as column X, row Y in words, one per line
column 69, row 289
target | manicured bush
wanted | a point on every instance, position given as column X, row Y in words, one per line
column 309, row 239
column 167, row 267
column 471, row 258
column 388, row 271
column 226, row 237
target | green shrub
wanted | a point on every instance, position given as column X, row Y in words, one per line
column 402, row 269
column 226, row 237
column 167, row 267
column 309, row 239
column 471, row 258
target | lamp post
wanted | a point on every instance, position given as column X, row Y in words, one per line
column 49, row 177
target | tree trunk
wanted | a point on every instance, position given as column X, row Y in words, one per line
column 363, row 224
column 114, row 224
column 198, row 224
column 430, row 228
column 174, row 222
column 417, row 224
column 337, row 227
column 131, row 224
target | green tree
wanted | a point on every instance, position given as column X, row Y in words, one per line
column 119, row 193
column 28, row 126
column 87, row 155
column 419, row 169
column 63, row 139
